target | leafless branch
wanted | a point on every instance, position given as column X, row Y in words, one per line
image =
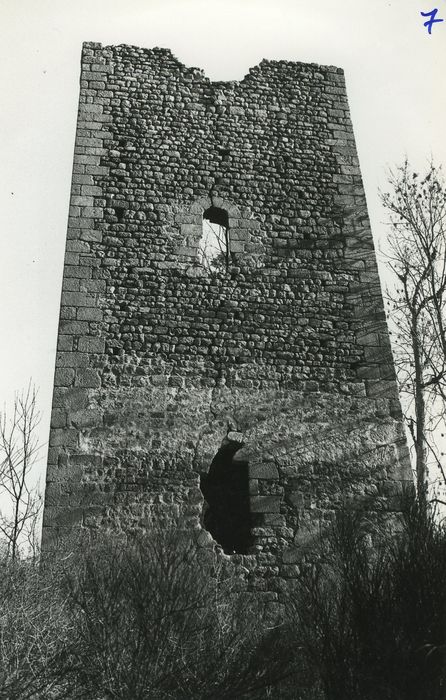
column 417, row 303
column 19, row 448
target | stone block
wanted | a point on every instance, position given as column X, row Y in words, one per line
column 91, row 234
column 265, row 504
column 78, row 246
column 369, row 372
column 367, row 338
column 74, row 398
column 187, row 250
column 391, row 488
column 289, row 571
column 253, row 487
column 68, row 517
column 63, row 377
column 194, row 230
column 292, row 555
column 91, row 212
column 88, row 109
column 91, row 344
column 296, row 499
column 381, row 388
column 398, row 470
column 263, row 470
column 74, row 327
column 71, row 258
column 52, row 494
column 72, row 359
column 274, row 520
column 86, row 418
column 81, row 201
column 378, row 354
column 95, row 168
column 58, row 418
column 82, row 460
column 83, row 180
column 387, row 371
column 93, row 285
column 76, row 226
column 67, row 313
column 77, row 271
column 63, row 437
column 92, row 190
column 87, row 378
column 53, row 454
column 89, row 314
column 77, row 299
column 88, row 142
column 65, row 343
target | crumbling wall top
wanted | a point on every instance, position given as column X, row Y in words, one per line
column 159, row 53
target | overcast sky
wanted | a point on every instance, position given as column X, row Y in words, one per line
column 395, row 73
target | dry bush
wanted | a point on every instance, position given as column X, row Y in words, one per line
column 155, row 618
column 371, row 620
column 34, row 627
column 151, row 618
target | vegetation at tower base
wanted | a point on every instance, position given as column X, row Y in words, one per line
column 156, row 618
column 417, row 211
column 282, row 348
column 163, row 620
column 371, row 613
column 160, row 619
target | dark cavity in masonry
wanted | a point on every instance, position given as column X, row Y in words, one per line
column 226, row 491
column 119, row 213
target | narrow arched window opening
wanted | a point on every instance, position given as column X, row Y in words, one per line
column 214, row 242
column 226, row 491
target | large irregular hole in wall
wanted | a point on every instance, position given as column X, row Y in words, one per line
column 214, row 242
column 226, row 491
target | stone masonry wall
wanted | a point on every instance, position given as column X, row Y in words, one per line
column 160, row 359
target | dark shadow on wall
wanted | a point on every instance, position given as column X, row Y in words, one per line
column 226, row 491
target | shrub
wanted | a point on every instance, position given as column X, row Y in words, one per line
column 370, row 613
column 155, row 618
column 34, row 627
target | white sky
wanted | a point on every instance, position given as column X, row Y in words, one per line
column 395, row 81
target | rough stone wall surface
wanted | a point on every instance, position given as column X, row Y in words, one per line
column 159, row 358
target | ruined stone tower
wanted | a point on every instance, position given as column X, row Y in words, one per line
column 223, row 361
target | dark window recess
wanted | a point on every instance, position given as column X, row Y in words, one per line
column 119, row 213
column 226, row 491
column 214, row 243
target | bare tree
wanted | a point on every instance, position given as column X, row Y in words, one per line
column 20, row 504
column 417, row 305
column 213, row 249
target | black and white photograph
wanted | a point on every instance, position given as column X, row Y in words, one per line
column 223, row 356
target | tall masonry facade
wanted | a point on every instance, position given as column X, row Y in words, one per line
column 223, row 358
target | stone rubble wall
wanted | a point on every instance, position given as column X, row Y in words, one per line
column 159, row 359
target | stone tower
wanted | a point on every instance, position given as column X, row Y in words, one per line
column 223, row 361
